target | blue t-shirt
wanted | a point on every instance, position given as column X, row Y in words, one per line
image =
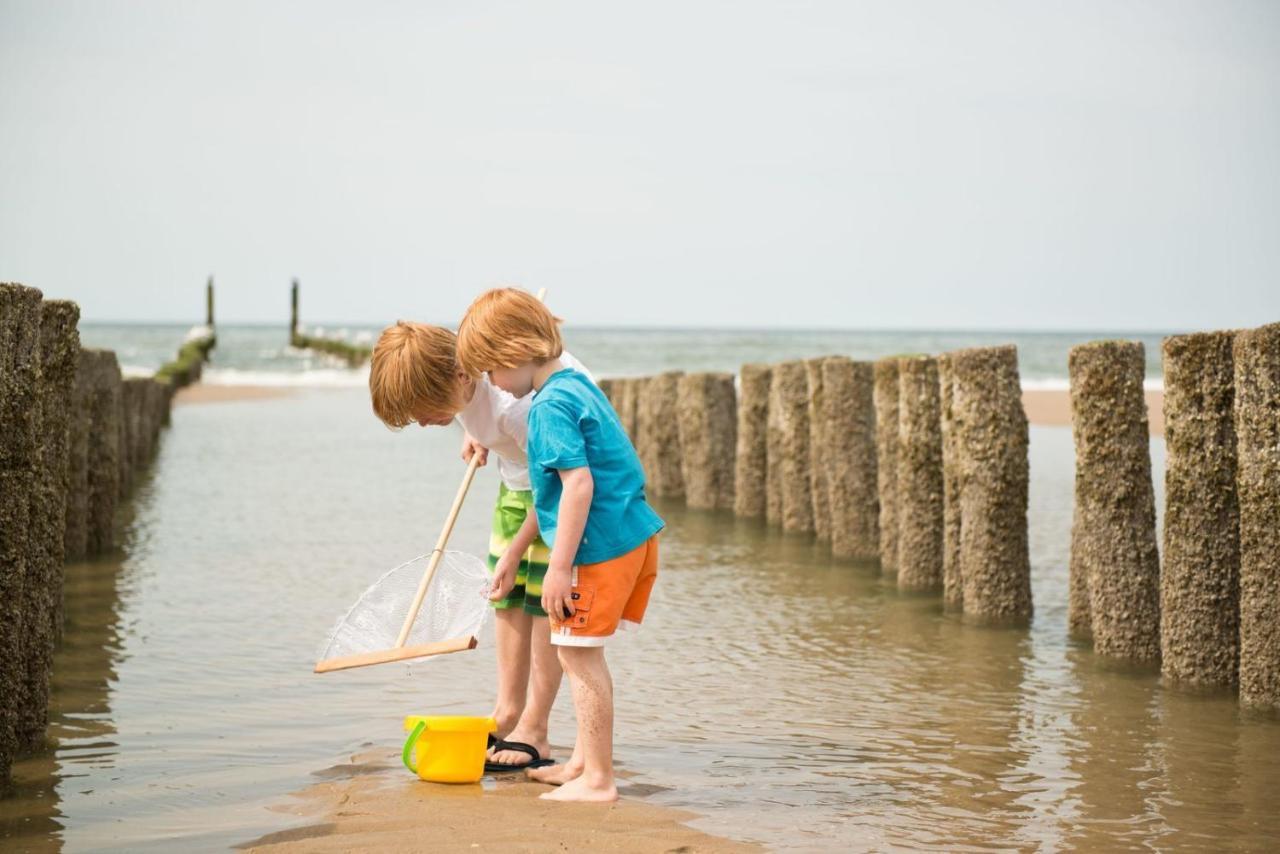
column 571, row 425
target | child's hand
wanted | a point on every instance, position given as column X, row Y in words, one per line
column 504, row 576
column 471, row 446
column 557, row 592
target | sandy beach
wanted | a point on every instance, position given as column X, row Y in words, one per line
column 1045, row 407
column 373, row 803
column 1052, row 408
column 202, row 393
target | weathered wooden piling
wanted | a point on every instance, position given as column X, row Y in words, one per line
column 59, row 354
column 1256, row 357
column 819, row 444
column 659, row 435
column 789, row 448
column 886, row 405
column 208, row 303
column 848, row 412
column 920, row 489
column 1200, row 575
column 608, row 387
column 992, row 440
column 629, row 411
column 20, row 550
column 1113, row 539
column 751, row 463
column 104, row 449
column 952, row 581
column 76, row 540
column 707, row 408
column 293, row 310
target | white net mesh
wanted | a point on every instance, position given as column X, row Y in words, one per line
column 456, row 605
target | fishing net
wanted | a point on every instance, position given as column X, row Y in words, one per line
column 456, row 605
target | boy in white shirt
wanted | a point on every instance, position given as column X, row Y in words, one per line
column 415, row 378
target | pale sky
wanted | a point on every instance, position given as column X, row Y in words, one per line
column 942, row 165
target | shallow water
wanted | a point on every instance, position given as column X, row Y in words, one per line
column 787, row 697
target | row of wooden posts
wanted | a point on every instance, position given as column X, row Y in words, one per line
column 920, row 463
column 74, row 436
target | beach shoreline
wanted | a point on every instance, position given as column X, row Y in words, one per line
column 372, row 803
column 1045, row 407
column 200, row 393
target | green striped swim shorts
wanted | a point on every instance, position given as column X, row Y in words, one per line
column 514, row 505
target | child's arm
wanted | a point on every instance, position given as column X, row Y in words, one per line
column 575, row 501
column 504, row 574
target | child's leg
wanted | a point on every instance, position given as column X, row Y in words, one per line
column 511, row 630
column 511, row 637
column 593, row 703
column 544, row 684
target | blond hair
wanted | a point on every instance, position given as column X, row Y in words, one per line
column 414, row 367
column 505, row 328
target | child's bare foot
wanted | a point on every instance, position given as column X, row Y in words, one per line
column 555, row 775
column 584, row 788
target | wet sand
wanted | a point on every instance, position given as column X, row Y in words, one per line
column 1052, row 408
column 373, row 803
column 201, row 393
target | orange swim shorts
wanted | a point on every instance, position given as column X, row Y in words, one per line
column 607, row 596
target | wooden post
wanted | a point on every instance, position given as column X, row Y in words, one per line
column 59, row 353
column 104, row 449
column 751, row 464
column 1256, row 355
column 952, row 580
column 819, row 448
column 208, row 303
column 293, row 314
column 789, row 452
column 1200, row 578
column 20, row 445
column 1113, row 543
column 659, row 436
column 886, row 404
column 994, row 558
column 849, row 414
column 706, row 406
column 920, row 490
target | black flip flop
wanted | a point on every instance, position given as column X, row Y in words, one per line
column 491, row 742
column 535, row 761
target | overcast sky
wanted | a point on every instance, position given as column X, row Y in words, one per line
column 1064, row 165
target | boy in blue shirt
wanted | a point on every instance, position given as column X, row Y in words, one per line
column 588, row 492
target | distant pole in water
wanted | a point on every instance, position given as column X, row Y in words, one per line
column 1200, row 578
column 293, row 316
column 751, row 463
column 886, row 404
column 849, row 446
column 20, row 447
column 920, row 490
column 1113, row 538
column 1256, row 357
column 706, row 406
column 789, row 455
column 994, row 474
column 952, row 581
column 208, row 303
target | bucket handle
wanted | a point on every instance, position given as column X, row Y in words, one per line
column 407, row 755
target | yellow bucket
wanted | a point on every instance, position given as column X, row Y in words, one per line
column 449, row 748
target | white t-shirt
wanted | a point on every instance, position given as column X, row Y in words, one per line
column 500, row 422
